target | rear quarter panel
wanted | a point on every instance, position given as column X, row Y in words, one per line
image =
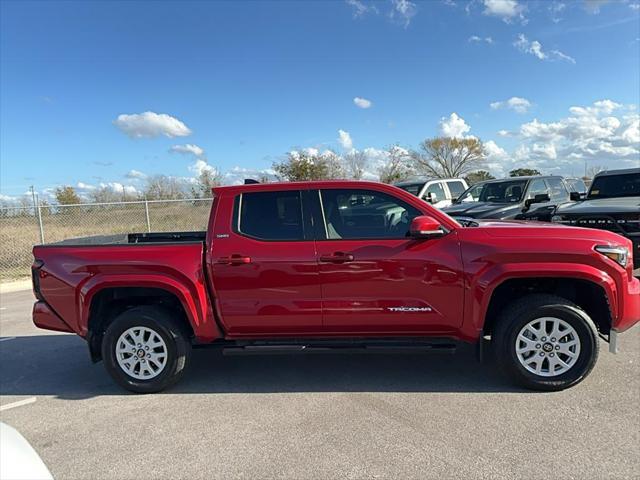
column 72, row 275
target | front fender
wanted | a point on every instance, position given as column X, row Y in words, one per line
column 482, row 287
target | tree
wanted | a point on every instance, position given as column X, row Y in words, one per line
column 397, row 166
column 207, row 179
column 355, row 163
column 306, row 166
column 478, row 176
column 162, row 187
column 105, row 195
column 448, row 157
column 67, row 195
column 524, row 172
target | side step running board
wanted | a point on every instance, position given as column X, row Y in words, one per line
column 285, row 349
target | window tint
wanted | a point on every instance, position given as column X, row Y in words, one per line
column 271, row 215
column 557, row 188
column 359, row 214
column 456, row 188
column 437, row 192
column 537, row 187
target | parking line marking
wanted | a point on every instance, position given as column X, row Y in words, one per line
column 20, row 403
column 7, row 338
column 3, row 308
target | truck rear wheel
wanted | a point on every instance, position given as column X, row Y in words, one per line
column 545, row 342
column 145, row 350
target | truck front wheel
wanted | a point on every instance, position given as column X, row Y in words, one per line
column 545, row 342
column 145, row 350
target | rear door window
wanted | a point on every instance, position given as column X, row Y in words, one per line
column 270, row 215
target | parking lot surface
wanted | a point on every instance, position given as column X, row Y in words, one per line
column 323, row 416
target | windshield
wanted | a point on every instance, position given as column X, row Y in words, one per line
column 412, row 188
column 611, row 186
column 509, row 191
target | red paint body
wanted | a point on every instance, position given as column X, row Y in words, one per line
column 236, row 287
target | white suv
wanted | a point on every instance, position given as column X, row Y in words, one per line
column 439, row 192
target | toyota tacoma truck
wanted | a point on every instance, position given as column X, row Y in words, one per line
column 340, row 266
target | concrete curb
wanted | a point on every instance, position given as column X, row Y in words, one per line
column 16, row 286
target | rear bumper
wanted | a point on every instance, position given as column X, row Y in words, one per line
column 629, row 313
column 47, row 319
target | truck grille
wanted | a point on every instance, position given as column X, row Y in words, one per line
column 624, row 224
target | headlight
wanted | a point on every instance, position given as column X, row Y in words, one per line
column 620, row 255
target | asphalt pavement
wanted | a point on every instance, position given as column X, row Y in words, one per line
column 321, row 416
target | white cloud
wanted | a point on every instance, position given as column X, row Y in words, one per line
column 201, row 166
column 360, row 8
column 403, row 11
column 345, row 140
column 454, row 126
column 187, row 149
column 589, row 133
column 534, row 48
column 593, row 6
column 362, row 102
column 477, row 39
column 237, row 175
column 135, row 174
column 504, row 133
column 507, row 10
column 151, row 124
column 634, row 6
column 555, row 10
column 85, row 186
column 517, row 104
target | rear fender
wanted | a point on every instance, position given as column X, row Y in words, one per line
column 192, row 297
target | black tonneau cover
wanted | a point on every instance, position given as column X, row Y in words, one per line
column 135, row 238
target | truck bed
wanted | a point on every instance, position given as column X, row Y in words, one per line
column 133, row 238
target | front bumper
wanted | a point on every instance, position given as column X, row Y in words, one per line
column 629, row 310
column 44, row 317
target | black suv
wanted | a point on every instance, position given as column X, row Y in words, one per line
column 520, row 198
column 612, row 203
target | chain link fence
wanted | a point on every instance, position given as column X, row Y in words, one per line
column 23, row 227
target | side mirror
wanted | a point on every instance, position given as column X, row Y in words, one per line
column 539, row 198
column 426, row 227
column 575, row 196
column 430, row 198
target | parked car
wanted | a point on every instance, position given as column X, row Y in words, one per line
column 438, row 192
column 18, row 459
column 520, row 198
column 576, row 185
column 340, row 266
column 612, row 203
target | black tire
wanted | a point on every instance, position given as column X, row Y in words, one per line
column 176, row 339
column 518, row 314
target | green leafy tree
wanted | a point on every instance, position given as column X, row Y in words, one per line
column 524, row 172
column 478, row 176
column 448, row 157
column 67, row 195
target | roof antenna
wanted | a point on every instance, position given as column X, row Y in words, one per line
column 250, row 181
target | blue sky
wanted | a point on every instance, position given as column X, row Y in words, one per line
column 235, row 85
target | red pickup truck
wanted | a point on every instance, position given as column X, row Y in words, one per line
column 340, row 266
